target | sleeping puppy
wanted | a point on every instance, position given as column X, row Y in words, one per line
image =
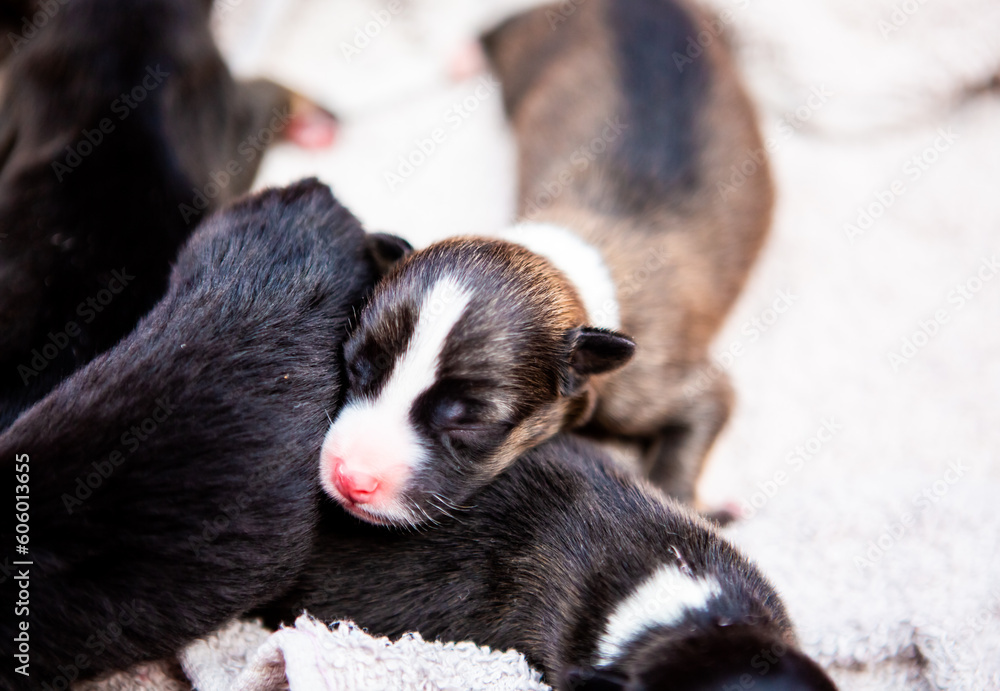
column 677, row 238
column 172, row 481
column 476, row 349
column 120, row 126
column 599, row 580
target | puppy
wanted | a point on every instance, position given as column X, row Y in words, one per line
column 171, row 481
column 677, row 238
column 474, row 349
column 120, row 126
column 597, row 578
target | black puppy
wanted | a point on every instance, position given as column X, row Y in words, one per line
column 172, row 481
column 597, row 578
column 120, row 125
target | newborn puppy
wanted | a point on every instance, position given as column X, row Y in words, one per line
column 475, row 349
column 120, row 126
column 628, row 147
column 172, row 481
column 598, row 579
column 468, row 354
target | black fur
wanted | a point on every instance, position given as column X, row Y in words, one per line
column 538, row 564
column 212, row 508
column 16, row 20
column 663, row 98
column 67, row 229
column 597, row 351
column 388, row 249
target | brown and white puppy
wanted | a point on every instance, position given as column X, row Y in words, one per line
column 600, row 581
column 473, row 349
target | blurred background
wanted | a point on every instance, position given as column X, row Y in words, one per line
column 863, row 451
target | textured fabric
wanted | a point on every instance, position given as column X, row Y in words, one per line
column 862, row 447
column 344, row 658
column 244, row 656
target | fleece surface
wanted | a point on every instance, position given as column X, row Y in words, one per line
column 866, row 349
column 312, row 657
column 243, row 656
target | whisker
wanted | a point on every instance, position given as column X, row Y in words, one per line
column 411, row 524
column 453, row 505
column 427, row 516
column 438, row 508
column 442, row 505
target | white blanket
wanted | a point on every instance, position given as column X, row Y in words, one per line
column 309, row 656
column 313, row 657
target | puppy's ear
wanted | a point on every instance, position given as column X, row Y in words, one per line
column 590, row 679
column 387, row 249
column 595, row 351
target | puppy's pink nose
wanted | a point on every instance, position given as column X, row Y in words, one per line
column 358, row 486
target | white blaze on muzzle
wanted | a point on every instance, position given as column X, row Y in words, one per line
column 372, row 449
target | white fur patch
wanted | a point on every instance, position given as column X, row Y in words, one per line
column 661, row 600
column 416, row 368
column 376, row 436
column 581, row 262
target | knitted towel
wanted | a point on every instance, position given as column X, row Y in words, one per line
column 244, row 656
column 313, row 657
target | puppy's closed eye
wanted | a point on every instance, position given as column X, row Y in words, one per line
column 466, row 424
column 360, row 373
column 453, row 413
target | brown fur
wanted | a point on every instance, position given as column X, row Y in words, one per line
column 679, row 265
